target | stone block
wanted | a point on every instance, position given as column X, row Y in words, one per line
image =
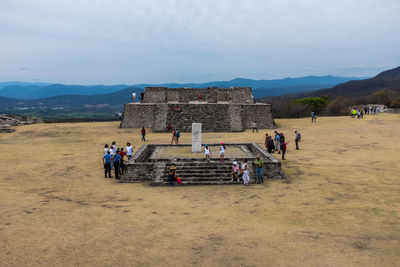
column 196, row 137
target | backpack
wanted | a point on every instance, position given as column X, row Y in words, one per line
column 298, row 136
column 178, row 134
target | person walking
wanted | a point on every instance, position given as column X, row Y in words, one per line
column 222, row 150
column 259, row 164
column 172, row 175
column 117, row 159
column 281, row 140
column 107, row 164
column 297, row 138
column 235, row 172
column 312, row 116
column 245, row 172
column 143, row 134
column 129, row 150
column 254, row 126
column 207, row 151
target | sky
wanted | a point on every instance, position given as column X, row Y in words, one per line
column 160, row 41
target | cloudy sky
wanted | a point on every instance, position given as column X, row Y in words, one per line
column 156, row 41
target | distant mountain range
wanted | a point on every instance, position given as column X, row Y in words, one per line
column 22, row 90
column 389, row 79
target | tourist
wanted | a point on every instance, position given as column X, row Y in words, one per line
column 106, row 149
column 133, row 96
column 358, row 114
column 120, row 115
column 362, row 114
column 143, row 131
column 312, row 116
column 107, row 164
column 113, row 150
column 281, row 140
column 270, row 145
column 173, row 136
column 141, row 96
column 277, row 142
column 169, row 127
column 200, row 97
column 177, row 135
column 207, row 151
column 315, row 117
column 267, row 137
column 259, row 164
column 172, row 175
column 123, row 154
column 235, row 172
column 222, row 149
column 283, row 148
column 297, row 138
column 245, row 172
column 129, row 150
column 117, row 161
column 254, row 126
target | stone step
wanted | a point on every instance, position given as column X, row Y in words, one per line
column 202, row 183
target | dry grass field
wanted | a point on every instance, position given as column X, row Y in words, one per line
column 340, row 207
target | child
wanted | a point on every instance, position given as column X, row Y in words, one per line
column 235, row 171
column 245, row 171
column 222, row 149
column 207, row 151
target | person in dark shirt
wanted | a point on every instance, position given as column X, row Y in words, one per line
column 141, row 96
column 283, row 148
column 107, row 164
column 122, row 153
column 143, row 134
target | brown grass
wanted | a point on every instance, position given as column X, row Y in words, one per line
column 340, row 206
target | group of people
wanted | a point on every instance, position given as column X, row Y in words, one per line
column 278, row 143
column 222, row 149
column 134, row 96
column 359, row 112
column 114, row 158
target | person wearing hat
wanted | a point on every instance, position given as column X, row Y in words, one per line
column 235, row 172
column 259, row 164
column 172, row 175
column 207, row 151
column 222, row 149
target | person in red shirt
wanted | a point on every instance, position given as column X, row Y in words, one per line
column 122, row 153
column 284, row 144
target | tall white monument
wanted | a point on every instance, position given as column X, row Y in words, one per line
column 196, row 137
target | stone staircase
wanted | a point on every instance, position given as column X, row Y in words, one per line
column 199, row 173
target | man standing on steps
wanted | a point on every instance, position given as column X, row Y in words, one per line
column 297, row 137
column 259, row 164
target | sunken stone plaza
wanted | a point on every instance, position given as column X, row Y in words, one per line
column 195, row 110
column 217, row 109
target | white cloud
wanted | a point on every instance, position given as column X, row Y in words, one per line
column 129, row 41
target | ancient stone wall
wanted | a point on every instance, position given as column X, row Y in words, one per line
column 241, row 95
column 155, row 95
column 138, row 115
column 214, row 117
column 259, row 113
column 223, row 95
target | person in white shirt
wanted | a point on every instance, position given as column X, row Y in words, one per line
column 207, row 151
column 106, row 149
column 245, row 175
column 129, row 150
column 133, row 97
column 222, row 149
column 113, row 150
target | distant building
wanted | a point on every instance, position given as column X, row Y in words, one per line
column 219, row 109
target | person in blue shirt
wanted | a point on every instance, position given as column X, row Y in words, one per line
column 107, row 164
column 117, row 161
